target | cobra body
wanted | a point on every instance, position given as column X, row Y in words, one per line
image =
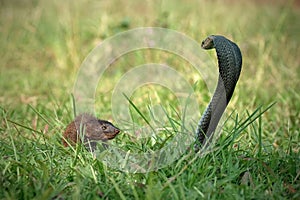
column 230, row 65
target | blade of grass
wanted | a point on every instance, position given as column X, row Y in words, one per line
column 23, row 126
column 73, row 105
column 40, row 115
column 117, row 188
column 138, row 111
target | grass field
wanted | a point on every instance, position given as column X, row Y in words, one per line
column 43, row 44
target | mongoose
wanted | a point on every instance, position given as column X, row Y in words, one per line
column 88, row 128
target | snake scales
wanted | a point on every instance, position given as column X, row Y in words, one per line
column 230, row 65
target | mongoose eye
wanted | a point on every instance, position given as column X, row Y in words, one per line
column 104, row 127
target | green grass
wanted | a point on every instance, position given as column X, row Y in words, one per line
column 42, row 46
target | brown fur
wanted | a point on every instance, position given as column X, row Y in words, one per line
column 93, row 129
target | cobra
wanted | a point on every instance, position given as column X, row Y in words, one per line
column 230, row 65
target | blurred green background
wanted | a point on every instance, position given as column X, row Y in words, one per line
column 43, row 44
